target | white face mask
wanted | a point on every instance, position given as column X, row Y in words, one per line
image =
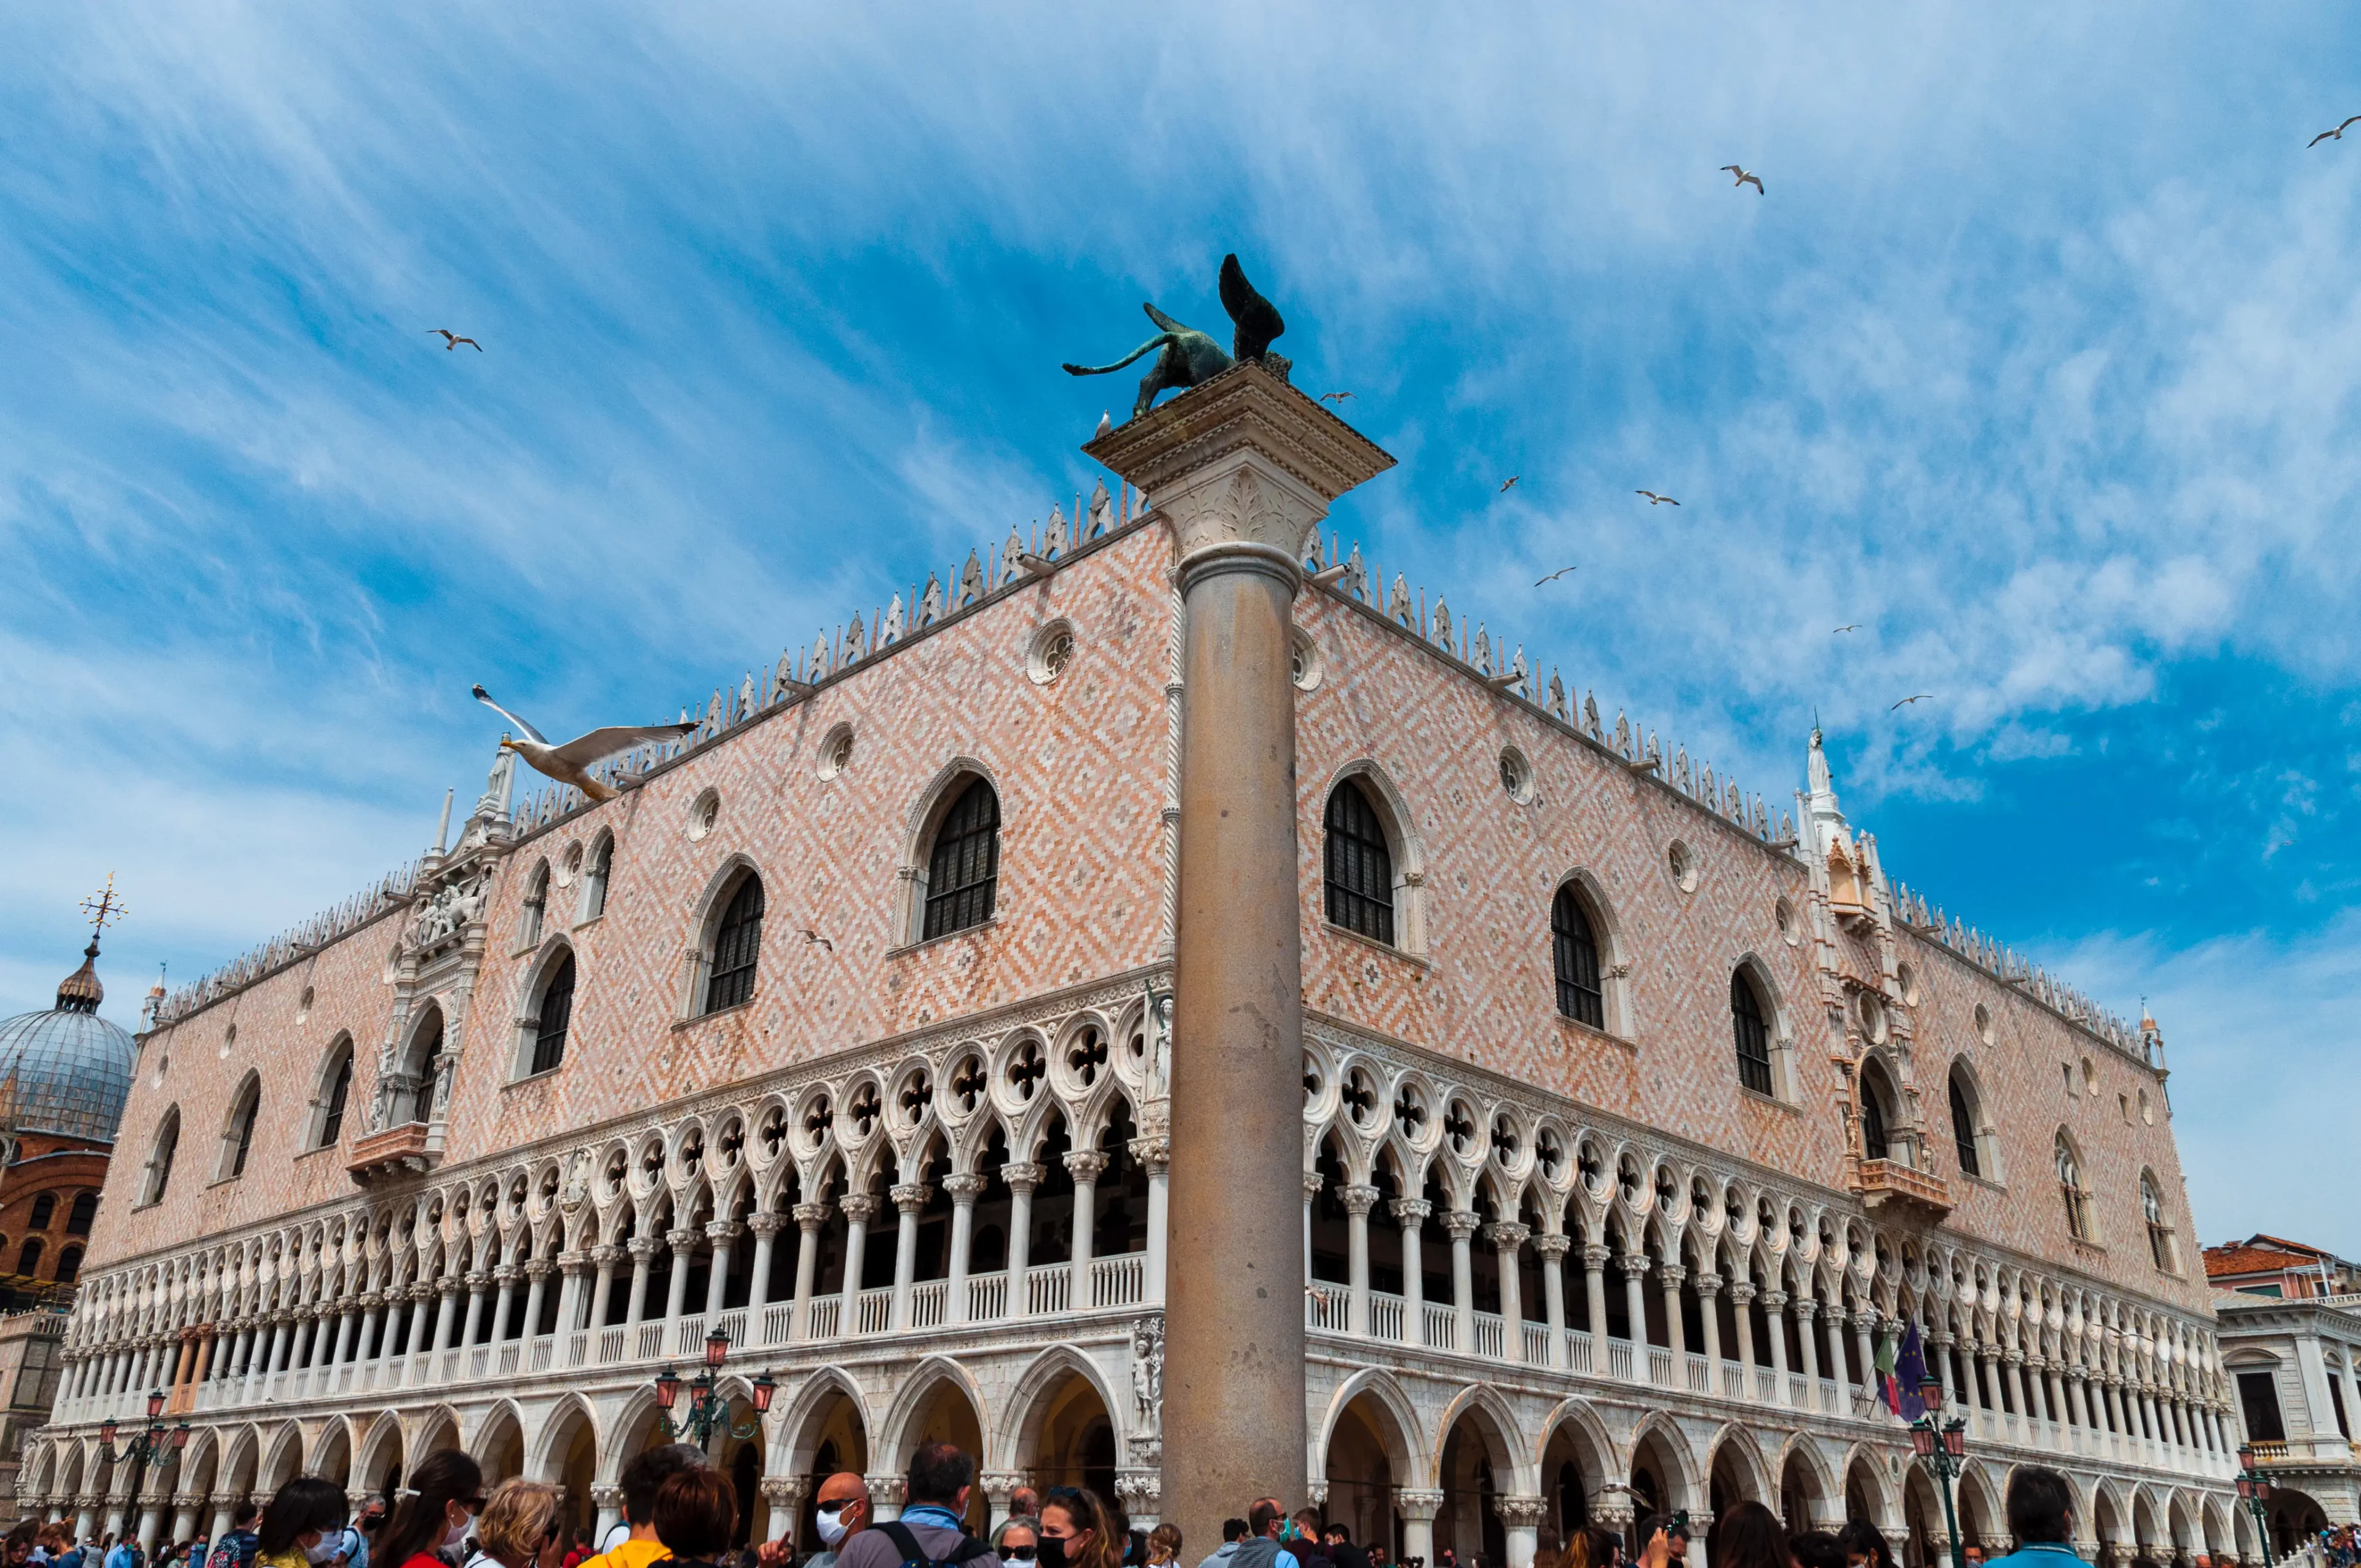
column 829, row 1522
column 321, row 1549
column 459, row 1532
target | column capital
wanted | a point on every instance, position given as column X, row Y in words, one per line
column 1634, row 1265
column 1462, row 1223
column 1741, row 1291
column 1774, row 1301
column 505, row 1274
column 769, row 1222
column 1410, row 1211
column 909, row 1196
column 538, row 1268
column 811, row 1216
column 888, row 1491
column 606, row 1255
column 1671, row 1275
column 1708, row 1286
column 786, row 1492
column 1521, row 1513
column 1508, row 1236
column 477, row 1278
column 642, row 1249
column 1086, row 1165
column 1023, row 1175
column 1552, row 1246
column 1418, row 1503
column 721, row 1233
column 999, row 1486
column 682, row 1241
column 574, row 1264
column 1805, row 1308
column 859, row 1207
column 1358, row 1199
column 1154, row 1151
column 1312, row 1182
column 964, row 1188
column 606, row 1494
column 1594, row 1255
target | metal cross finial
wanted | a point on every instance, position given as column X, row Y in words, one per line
column 105, row 909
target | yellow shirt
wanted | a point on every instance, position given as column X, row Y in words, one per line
column 630, row 1554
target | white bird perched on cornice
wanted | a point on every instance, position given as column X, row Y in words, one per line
column 571, row 763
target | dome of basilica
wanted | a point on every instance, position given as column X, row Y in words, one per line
column 67, row 1070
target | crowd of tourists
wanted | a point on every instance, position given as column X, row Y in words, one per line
column 681, row 1512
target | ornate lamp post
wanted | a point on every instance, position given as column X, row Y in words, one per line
column 1944, row 1446
column 2253, row 1491
column 708, row 1413
column 145, row 1451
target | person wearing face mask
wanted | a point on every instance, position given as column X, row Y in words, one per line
column 840, row 1510
column 1016, row 1543
column 446, row 1493
column 1075, row 1531
column 932, row 1530
column 300, row 1527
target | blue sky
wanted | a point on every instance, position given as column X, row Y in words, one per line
column 2037, row 357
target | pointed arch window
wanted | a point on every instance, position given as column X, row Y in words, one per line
column 340, row 1090
column 595, row 872
column 1875, row 1141
column 2070, row 1190
column 237, row 1137
column 1359, row 865
column 1963, row 1129
column 737, row 944
column 1752, row 1028
column 160, row 1162
column 2161, row 1243
column 426, row 1068
column 963, row 870
column 1574, row 952
column 536, row 907
column 556, row 1015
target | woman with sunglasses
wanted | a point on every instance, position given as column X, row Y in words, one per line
column 1076, row 1533
column 436, row 1514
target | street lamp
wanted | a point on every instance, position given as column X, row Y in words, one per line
column 707, row 1412
column 2253, row 1491
column 1944, row 1447
column 148, row 1450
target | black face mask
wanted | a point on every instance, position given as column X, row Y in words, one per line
column 1053, row 1551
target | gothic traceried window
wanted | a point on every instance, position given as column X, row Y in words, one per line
column 1875, row 1141
column 736, row 946
column 2161, row 1247
column 595, row 873
column 2071, row 1192
column 340, row 1089
column 1574, row 955
column 1359, row 865
column 536, row 907
column 428, row 1054
column 1752, row 1032
column 238, row 1140
column 963, row 870
column 556, row 1015
column 1963, row 1130
column 160, row 1164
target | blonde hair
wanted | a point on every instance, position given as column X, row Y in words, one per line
column 517, row 1519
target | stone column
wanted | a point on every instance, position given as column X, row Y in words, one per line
column 1552, row 1249
column 1461, row 1224
column 1418, row 1510
column 1832, row 1318
column 1635, row 1267
column 447, row 1311
column 1243, row 468
column 184, row 1514
column 1156, row 1153
column 642, row 1250
column 1312, row 1182
column 683, row 1242
column 2115, row 1418
column 222, row 1502
column 1508, row 1239
column 964, row 1190
column 859, row 1209
column 908, row 1197
column 1939, row 1358
column 1594, row 1296
column 1805, row 1341
column 2060, row 1411
column 1022, row 1177
column 808, row 1218
column 1669, row 1281
column 723, row 1235
column 1741, row 1302
column 1867, row 1362
column 1411, row 1213
column 766, row 1227
column 886, row 1495
column 573, row 1304
column 1521, row 1521
column 607, row 1498
column 784, row 1495
column 2012, row 1362
column 1988, row 1365
column 1357, row 1201
column 606, row 1257
column 337, row 1353
column 1086, row 1165
column 504, row 1278
column 1708, row 1289
column 475, row 1280
column 536, row 1289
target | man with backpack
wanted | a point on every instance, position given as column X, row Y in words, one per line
column 932, row 1531
column 238, row 1543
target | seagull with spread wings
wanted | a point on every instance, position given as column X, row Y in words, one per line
column 1333, row 397
column 2336, row 134
column 1657, row 500
column 1745, row 177
column 1854, row 627
column 812, row 936
column 452, row 340
column 1906, row 702
column 1509, row 483
column 1561, row 572
column 571, row 763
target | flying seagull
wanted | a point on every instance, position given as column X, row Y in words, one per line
column 1509, row 483
column 2336, row 134
column 1561, row 572
column 571, row 763
column 1657, row 500
column 1745, row 177
column 811, row 935
column 1906, row 701
column 1333, row 397
column 452, row 340
column 1106, row 422
column 1854, row 627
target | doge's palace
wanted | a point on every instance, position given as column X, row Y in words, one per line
column 1639, row 1114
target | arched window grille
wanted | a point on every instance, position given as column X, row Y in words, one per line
column 2160, row 1246
column 2071, row 1193
column 45, row 1208
column 85, row 1211
column 1874, row 1142
column 1753, row 1035
column 736, row 945
column 556, row 1015
column 1359, row 866
column 340, row 1090
column 1963, row 1130
column 1575, row 954
column 963, row 871
column 160, row 1164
